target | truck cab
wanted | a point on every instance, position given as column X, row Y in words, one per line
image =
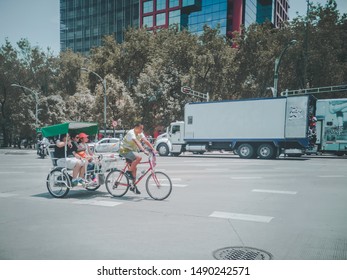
column 172, row 140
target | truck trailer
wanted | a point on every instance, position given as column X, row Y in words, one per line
column 252, row 128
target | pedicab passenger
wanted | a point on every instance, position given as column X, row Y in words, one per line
column 72, row 160
column 84, row 150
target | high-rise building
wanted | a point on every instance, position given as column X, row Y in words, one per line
column 229, row 15
column 83, row 23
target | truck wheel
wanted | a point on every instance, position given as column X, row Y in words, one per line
column 163, row 150
column 266, row 151
column 245, row 151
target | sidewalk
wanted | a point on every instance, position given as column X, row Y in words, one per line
column 16, row 151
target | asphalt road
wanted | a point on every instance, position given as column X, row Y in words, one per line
column 290, row 208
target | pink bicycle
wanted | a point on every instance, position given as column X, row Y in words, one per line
column 158, row 184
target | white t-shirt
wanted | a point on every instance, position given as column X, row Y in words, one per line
column 127, row 145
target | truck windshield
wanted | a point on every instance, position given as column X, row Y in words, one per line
column 175, row 128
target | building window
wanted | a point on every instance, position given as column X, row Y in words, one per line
column 174, row 3
column 147, row 7
column 161, row 19
column 186, row 3
column 148, row 21
column 175, row 17
column 161, row 5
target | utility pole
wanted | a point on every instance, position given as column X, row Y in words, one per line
column 306, row 46
column 277, row 66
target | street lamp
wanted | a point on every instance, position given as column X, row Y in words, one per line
column 36, row 95
column 103, row 81
column 277, row 65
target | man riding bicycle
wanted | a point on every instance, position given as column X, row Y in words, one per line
column 129, row 147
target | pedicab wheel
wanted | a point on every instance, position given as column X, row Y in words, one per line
column 117, row 183
column 158, row 185
column 58, row 183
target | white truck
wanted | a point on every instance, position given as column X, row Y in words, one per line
column 331, row 126
column 253, row 128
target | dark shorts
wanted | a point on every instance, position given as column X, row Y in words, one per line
column 131, row 156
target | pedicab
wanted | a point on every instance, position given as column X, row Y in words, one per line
column 59, row 179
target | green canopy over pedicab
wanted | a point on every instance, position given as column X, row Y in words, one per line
column 70, row 127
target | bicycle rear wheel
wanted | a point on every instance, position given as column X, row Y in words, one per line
column 158, row 185
column 58, row 183
column 117, row 183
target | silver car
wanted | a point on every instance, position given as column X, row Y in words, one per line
column 107, row 145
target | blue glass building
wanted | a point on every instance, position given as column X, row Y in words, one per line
column 229, row 15
column 83, row 23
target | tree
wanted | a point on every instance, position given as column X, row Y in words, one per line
column 157, row 95
column 212, row 67
column 14, row 110
column 54, row 110
column 120, row 104
column 69, row 72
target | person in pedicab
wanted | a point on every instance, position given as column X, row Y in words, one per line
column 72, row 160
column 86, row 153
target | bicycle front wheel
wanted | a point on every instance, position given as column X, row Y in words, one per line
column 117, row 183
column 158, row 185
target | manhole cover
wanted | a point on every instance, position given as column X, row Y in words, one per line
column 241, row 253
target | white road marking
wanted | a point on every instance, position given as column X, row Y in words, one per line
column 176, row 179
column 274, row 191
column 98, row 203
column 242, row 217
column 194, row 171
column 332, row 176
column 179, row 186
column 205, row 164
column 4, row 195
column 12, row 172
column 218, row 169
column 246, row 178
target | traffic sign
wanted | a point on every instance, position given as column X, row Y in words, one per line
column 186, row 90
column 114, row 123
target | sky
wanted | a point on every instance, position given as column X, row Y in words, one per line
column 38, row 20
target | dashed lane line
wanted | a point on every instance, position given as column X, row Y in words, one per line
column 98, row 202
column 274, row 191
column 332, row 176
column 4, row 195
column 179, row 186
column 246, row 178
column 242, row 217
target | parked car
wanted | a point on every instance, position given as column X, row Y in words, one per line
column 107, row 145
